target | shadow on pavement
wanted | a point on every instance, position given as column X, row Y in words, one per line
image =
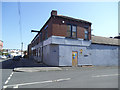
column 11, row 64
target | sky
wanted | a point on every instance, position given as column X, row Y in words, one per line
column 103, row 15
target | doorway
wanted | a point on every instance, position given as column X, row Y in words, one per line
column 74, row 58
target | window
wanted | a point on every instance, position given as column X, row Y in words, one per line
column 69, row 31
column 46, row 32
column 74, row 34
column 41, row 37
column 36, row 52
column 86, row 35
column 72, row 31
column 40, row 52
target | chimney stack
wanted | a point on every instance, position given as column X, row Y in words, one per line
column 54, row 12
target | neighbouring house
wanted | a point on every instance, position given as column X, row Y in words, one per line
column 1, row 45
column 66, row 41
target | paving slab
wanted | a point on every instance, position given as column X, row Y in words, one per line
column 36, row 69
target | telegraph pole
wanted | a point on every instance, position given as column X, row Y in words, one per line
column 21, row 48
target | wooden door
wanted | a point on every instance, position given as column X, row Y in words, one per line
column 74, row 58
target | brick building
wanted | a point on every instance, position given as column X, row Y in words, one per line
column 63, row 41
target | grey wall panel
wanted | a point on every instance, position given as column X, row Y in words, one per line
column 84, row 57
column 46, row 50
column 50, row 56
column 65, row 55
column 48, row 41
column 69, row 41
column 104, row 55
column 54, row 54
column 58, row 40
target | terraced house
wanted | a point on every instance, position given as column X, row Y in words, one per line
column 66, row 41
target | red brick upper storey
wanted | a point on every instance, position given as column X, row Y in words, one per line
column 57, row 26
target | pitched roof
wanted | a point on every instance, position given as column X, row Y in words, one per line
column 105, row 40
column 79, row 20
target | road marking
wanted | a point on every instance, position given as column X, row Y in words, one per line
column 106, row 75
column 22, row 84
column 4, row 87
column 15, row 86
column 9, row 78
column 6, row 82
column 63, row 79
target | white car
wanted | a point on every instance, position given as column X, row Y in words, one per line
column 3, row 57
column 0, row 56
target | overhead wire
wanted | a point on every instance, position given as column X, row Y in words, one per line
column 20, row 25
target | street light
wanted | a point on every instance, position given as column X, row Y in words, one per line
column 35, row 31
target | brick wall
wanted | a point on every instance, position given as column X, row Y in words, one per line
column 49, row 23
column 60, row 29
column 56, row 27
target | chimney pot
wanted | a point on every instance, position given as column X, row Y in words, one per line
column 53, row 12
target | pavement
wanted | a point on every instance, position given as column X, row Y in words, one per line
column 26, row 65
column 36, row 69
column 30, row 65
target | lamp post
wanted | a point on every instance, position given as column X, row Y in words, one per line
column 35, row 31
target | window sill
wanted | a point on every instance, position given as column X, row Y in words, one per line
column 71, row 38
column 86, row 39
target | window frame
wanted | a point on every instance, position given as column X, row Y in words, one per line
column 86, row 34
column 76, row 31
column 70, row 30
column 46, row 33
column 71, row 36
column 40, row 36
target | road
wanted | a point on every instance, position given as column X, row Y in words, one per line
column 69, row 77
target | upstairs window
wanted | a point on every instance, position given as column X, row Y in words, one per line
column 71, row 31
column 86, row 35
column 41, row 37
column 46, row 32
column 74, row 34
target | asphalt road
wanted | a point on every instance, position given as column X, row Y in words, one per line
column 69, row 77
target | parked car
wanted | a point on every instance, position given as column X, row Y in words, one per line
column 3, row 57
column 0, row 56
column 8, row 56
column 17, row 57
